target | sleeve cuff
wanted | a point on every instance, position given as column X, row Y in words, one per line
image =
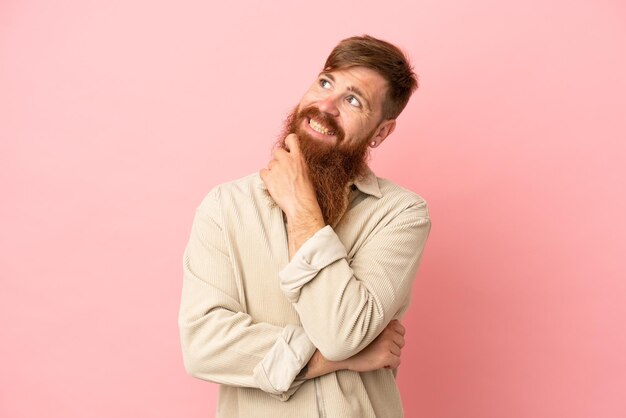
column 322, row 249
column 280, row 366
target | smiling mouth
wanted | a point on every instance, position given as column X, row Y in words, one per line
column 319, row 128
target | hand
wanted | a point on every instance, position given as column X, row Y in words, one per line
column 287, row 181
column 383, row 352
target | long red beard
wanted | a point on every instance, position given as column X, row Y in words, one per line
column 332, row 168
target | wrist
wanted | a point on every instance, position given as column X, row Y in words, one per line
column 305, row 216
column 345, row 364
column 301, row 226
column 318, row 366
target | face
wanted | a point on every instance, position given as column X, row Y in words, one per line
column 344, row 108
column 335, row 122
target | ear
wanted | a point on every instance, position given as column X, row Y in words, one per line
column 383, row 131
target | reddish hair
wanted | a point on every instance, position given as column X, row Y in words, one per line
column 384, row 58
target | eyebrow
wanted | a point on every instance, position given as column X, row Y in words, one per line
column 355, row 89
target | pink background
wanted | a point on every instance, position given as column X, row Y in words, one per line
column 116, row 117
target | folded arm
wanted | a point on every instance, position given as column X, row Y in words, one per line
column 344, row 305
column 220, row 342
column 382, row 353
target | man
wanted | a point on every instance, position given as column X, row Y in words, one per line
column 294, row 277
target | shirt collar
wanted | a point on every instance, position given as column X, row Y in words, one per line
column 368, row 184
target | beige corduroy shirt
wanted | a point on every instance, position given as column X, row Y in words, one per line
column 250, row 318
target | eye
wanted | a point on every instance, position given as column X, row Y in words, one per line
column 354, row 101
column 325, row 84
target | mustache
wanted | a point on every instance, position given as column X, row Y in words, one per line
column 312, row 112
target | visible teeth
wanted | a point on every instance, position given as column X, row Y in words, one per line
column 319, row 128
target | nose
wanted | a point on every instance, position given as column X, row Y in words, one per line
column 329, row 105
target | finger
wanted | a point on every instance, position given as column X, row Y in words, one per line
column 292, row 142
column 399, row 328
column 397, row 363
column 395, row 349
column 394, row 362
column 398, row 340
column 396, row 327
column 394, row 323
column 279, row 153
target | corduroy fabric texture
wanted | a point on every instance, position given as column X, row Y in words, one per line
column 239, row 329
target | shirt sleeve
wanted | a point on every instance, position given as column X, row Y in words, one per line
column 221, row 343
column 344, row 304
column 320, row 250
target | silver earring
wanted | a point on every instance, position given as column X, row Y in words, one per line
column 373, row 143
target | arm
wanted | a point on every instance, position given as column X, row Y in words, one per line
column 343, row 305
column 220, row 342
column 383, row 352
